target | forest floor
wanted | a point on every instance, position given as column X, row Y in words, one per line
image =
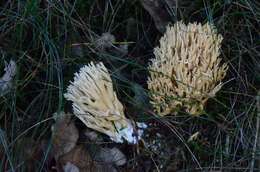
column 43, row 43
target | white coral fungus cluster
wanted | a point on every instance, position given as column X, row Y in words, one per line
column 186, row 70
column 96, row 104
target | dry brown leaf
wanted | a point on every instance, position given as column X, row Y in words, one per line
column 166, row 11
column 64, row 134
column 81, row 159
column 31, row 151
column 110, row 156
column 157, row 11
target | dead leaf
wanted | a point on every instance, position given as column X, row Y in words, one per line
column 6, row 81
column 64, row 134
column 28, row 151
column 158, row 12
column 167, row 11
column 93, row 136
column 69, row 167
column 69, row 156
column 80, row 158
column 110, row 156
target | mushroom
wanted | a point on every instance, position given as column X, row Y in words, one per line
column 95, row 103
column 186, row 70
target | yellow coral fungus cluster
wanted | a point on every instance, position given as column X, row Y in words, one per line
column 95, row 103
column 186, row 70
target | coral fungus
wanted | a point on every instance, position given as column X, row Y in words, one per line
column 96, row 104
column 186, row 70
